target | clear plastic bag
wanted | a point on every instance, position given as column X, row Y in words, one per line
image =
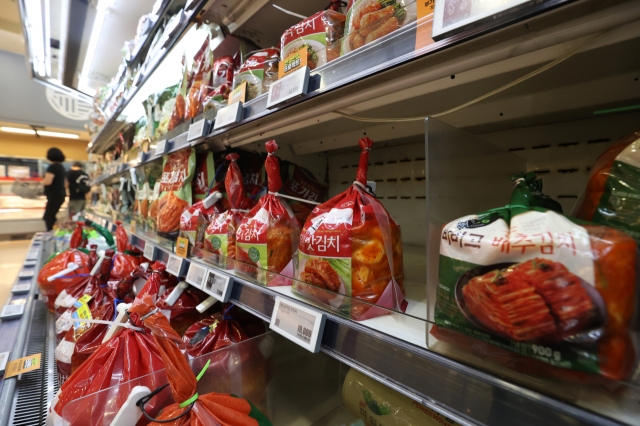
column 175, row 191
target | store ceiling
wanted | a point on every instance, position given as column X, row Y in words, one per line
column 11, row 38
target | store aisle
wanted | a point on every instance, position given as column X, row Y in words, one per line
column 12, row 254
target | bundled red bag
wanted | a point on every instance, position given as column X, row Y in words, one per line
column 269, row 234
column 613, row 190
column 351, row 246
column 213, row 333
column 200, row 83
column 124, row 261
column 301, row 183
column 69, row 295
column 190, row 407
column 220, row 234
column 158, row 281
column 51, row 289
column 130, row 354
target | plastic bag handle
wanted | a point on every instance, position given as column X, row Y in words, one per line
column 70, row 268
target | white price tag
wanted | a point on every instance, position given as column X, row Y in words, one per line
column 288, row 87
column 228, row 115
column 149, row 251
column 174, row 265
column 28, row 263
column 196, row 130
column 4, row 357
column 26, row 274
column 10, row 312
column 139, row 158
column 298, row 323
column 196, row 274
column 161, row 147
column 218, row 285
column 21, row 288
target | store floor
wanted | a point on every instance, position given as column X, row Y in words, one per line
column 12, row 254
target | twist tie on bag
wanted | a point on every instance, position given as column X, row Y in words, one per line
column 147, row 315
column 224, row 314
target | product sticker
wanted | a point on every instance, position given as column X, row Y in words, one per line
column 182, row 247
column 23, row 365
column 294, row 61
column 238, row 94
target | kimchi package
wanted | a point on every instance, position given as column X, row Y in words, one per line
column 252, row 71
column 319, row 33
column 350, row 246
column 532, row 281
column 612, row 196
column 175, row 191
column 301, row 183
column 180, row 107
column 220, row 235
column 124, row 262
column 269, row 234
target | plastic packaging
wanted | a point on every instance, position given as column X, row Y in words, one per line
column 301, row 183
column 220, row 235
column 124, row 261
column 351, row 246
column 252, row 71
column 200, row 84
column 175, row 191
column 180, row 107
column 319, row 33
column 532, row 281
column 613, row 191
column 269, row 234
column 212, row 333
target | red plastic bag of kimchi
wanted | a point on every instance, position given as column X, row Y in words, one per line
column 180, row 107
column 301, row 183
column 158, row 281
column 122, row 239
column 269, row 234
column 129, row 354
column 220, row 235
column 124, row 261
column 190, row 407
column 534, row 282
column 182, row 313
column 201, row 78
column 351, row 246
column 175, row 191
column 612, row 193
column 69, row 295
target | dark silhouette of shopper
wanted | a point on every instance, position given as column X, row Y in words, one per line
column 54, row 186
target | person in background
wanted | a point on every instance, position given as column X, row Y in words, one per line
column 54, row 186
column 78, row 183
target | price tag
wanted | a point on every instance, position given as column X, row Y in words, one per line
column 238, row 94
column 293, row 62
column 4, row 357
column 196, row 274
column 182, row 247
column 218, row 285
column 161, row 147
column 10, row 312
column 132, row 227
column 149, row 251
column 298, row 323
column 174, row 265
column 290, row 86
column 23, row 365
column 114, row 216
column 196, row 130
column 21, row 288
column 228, row 115
column 140, row 157
column 26, row 274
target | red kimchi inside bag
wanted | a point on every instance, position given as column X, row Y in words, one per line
column 268, row 236
column 130, row 354
column 175, row 191
column 124, row 261
column 612, row 196
column 179, row 108
column 301, row 183
column 350, row 246
column 220, row 235
column 69, row 295
column 189, row 407
column 200, row 79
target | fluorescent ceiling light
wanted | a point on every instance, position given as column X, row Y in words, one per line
column 101, row 12
column 58, row 134
column 18, row 130
column 34, row 26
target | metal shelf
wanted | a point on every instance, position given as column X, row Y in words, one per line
column 463, row 393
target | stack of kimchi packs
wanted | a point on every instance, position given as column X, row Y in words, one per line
column 529, row 280
column 269, row 234
column 189, row 406
column 220, row 235
column 201, row 83
column 175, row 191
column 125, row 261
column 350, row 246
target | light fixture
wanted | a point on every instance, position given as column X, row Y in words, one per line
column 58, row 134
column 101, row 12
column 35, row 27
column 18, row 130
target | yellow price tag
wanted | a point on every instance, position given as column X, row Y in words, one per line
column 23, row 365
column 239, row 94
column 132, row 226
column 294, row 61
column 85, row 299
column 182, row 247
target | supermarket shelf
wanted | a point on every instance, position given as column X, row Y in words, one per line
column 101, row 142
column 463, row 393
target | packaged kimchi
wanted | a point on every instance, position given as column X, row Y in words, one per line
column 199, row 87
column 180, row 107
column 152, row 216
column 612, row 196
column 252, row 71
column 175, row 191
column 190, row 407
column 269, row 234
column 212, row 333
column 223, row 70
column 351, row 246
column 125, row 261
column 532, row 281
column 61, row 262
column 319, row 33
column 220, row 234
column 301, row 183
column 204, row 174
column 130, row 354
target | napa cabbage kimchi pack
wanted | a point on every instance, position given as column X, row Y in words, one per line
column 175, row 191
column 350, row 246
column 532, row 281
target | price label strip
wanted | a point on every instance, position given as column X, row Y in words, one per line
column 175, row 264
column 149, row 251
column 196, row 274
column 298, row 323
column 289, row 87
column 218, row 285
column 23, row 365
column 228, row 115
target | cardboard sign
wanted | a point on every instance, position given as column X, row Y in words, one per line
column 239, row 94
column 23, row 365
column 182, row 247
column 293, row 62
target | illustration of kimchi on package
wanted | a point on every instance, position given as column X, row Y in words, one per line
column 269, row 234
column 175, row 191
column 532, row 281
column 350, row 246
